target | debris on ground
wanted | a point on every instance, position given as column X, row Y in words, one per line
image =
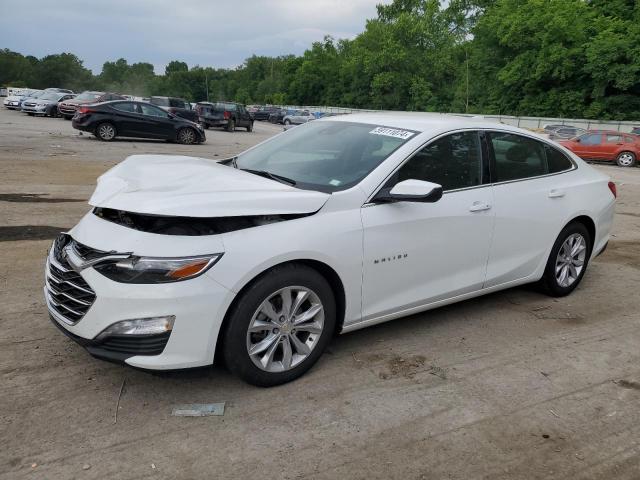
column 198, row 410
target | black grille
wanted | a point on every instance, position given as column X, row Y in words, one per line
column 68, row 294
column 87, row 253
column 136, row 344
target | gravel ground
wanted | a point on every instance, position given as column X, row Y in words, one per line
column 511, row 385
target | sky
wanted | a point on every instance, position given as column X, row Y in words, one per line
column 216, row 33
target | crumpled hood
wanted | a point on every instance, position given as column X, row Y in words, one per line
column 196, row 187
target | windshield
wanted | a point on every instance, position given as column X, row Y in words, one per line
column 88, row 96
column 326, row 155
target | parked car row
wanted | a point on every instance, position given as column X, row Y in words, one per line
column 38, row 102
column 110, row 115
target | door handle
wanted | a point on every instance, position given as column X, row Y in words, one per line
column 556, row 193
column 479, row 207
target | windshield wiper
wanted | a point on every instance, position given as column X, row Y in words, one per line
column 272, row 176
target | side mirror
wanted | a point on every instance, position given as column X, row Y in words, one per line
column 410, row 191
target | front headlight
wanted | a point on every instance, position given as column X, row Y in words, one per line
column 156, row 270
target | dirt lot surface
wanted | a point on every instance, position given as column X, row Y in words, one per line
column 512, row 385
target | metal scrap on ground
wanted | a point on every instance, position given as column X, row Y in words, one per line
column 198, row 410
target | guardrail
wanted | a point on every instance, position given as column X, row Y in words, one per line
column 523, row 122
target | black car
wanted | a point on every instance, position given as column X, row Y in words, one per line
column 278, row 115
column 177, row 106
column 566, row 133
column 224, row 114
column 263, row 113
column 109, row 120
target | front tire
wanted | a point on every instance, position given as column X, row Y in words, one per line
column 106, row 131
column 187, row 136
column 280, row 326
column 567, row 261
column 626, row 159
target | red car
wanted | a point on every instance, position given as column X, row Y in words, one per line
column 606, row 145
column 68, row 108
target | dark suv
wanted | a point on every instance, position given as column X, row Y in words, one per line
column 278, row 115
column 224, row 114
column 262, row 113
column 177, row 106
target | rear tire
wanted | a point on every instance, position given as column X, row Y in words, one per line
column 231, row 125
column 626, row 159
column 295, row 344
column 106, row 131
column 567, row 261
column 187, row 136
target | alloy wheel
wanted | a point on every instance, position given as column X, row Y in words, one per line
column 187, row 136
column 285, row 329
column 625, row 159
column 106, row 131
column 570, row 260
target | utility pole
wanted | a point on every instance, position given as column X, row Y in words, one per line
column 466, row 53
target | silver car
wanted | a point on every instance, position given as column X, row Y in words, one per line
column 46, row 104
column 298, row 117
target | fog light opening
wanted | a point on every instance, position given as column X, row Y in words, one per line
column 139, row 326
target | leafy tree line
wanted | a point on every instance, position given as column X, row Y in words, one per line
column 568, row 58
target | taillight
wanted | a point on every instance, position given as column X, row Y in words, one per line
column 227, row 114
column 614, row 190
column 84, row 110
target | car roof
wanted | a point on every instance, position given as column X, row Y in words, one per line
column 424, row 122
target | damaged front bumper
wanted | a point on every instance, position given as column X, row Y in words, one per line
column 197, row 304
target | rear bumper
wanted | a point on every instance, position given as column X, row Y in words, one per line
column 82, row 124
column 213, row 122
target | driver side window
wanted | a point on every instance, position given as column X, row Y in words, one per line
column 454, row 161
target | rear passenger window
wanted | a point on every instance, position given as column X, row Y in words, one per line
column 556, row 160
column 453, row 161
column 126, row 107
column 591, row 139
column 517, row 157
column 614, row 138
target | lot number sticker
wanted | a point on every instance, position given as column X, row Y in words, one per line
column 392, row 132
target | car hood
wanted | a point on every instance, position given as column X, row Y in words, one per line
column 40, row 101
column 197, row 187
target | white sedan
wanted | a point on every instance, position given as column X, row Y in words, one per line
column 333, row 226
